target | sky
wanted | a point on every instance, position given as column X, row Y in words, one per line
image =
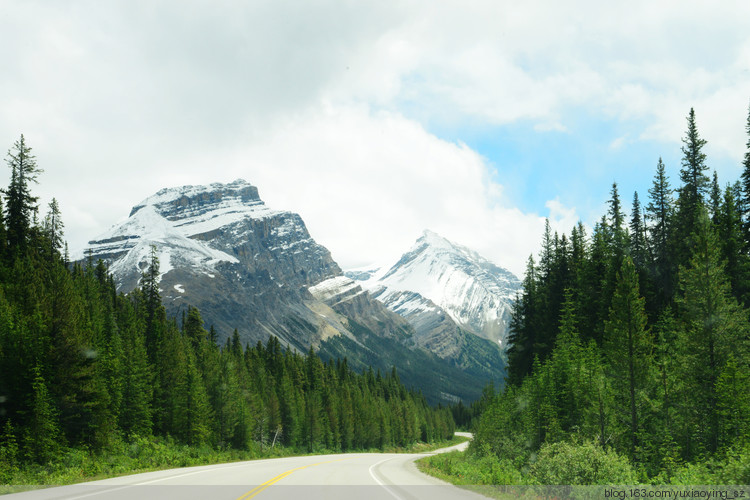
column 373, row 120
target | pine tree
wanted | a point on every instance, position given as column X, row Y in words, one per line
column 155, row 314
column 745, row 180
column 53, row 230
column 193, row 329
column 730, row 232
column 660, row 212
column 9, row 454
column 713, row 326
column 197, row 411
column 667, row 362
column 522, row 339
column 715, row 198
column 617, row 223
column 637, row 235
column 695, row 182
column 136, row 417
column 20, row 205
column 3, row 233
column 566, row 367
column 42, row 439
column 596, row 292
column 733, row 403
column 627, row 348
column 694, row 188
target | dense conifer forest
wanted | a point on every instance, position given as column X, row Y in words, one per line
column 630, row 348
column 85, row 369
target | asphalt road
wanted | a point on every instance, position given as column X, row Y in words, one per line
column 354, row 476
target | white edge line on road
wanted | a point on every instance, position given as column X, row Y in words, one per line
column 372, row 474
column 125, row 486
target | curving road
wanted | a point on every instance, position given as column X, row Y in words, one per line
column 354, row 476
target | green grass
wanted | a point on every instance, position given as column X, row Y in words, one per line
column 566, row 463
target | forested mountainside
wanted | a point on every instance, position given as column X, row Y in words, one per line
column 439, row 280
column 82, row 366
column 257, row 270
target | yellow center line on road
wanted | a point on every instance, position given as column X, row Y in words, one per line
column 255, row 491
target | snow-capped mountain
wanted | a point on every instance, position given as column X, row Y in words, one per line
column 221, row 249
column 248, row 267
column 438, row 278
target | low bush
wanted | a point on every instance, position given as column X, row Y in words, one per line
column 579, row 464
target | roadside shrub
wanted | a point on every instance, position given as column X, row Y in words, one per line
column 579, row 464
column 461, row 468
column 736, row 468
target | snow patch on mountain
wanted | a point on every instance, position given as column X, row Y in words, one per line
column 173, row 220
column 473, row 291
column 336, row 289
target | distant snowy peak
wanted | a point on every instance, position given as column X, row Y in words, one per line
column 129, row 245
column 473, row 291
column 436, row 255
column 182, row 224
column 197, row 209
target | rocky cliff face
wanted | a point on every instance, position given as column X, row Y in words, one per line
column 440, row 282
column 221, row 249
column 258, row 270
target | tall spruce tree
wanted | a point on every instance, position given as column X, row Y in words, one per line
column 53, row 229
column 713, row 326
column 692, row 174
column 695, row 185
column 42, row 437
column 730, row 231
column 715, row 198
column 522, row 340
column 659, row 212
column 745, row 180
column 155, row 313
column 627, row 348
column 617, row 223
column 638, row 249
column 21, row 206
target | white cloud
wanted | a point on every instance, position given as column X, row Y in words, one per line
column 550, row 127
column 326, row 105
column 618, row 143
column 562, row 219
column 367, row 183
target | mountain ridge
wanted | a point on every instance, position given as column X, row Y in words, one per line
column 473, row 292
column 257, row 269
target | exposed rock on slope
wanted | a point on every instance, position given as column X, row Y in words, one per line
column 440, row 282
column 249, row 267
column 221, row 249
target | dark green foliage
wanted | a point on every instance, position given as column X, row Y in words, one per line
column 694, row 189
column 20, row 204
column 422, row 370
column 744, row 198
column 9, row 453
column 649, row 352
column 42, row 438
column 53, row 230
column 581, row 464
column 627, row 349
column 713, row 327
column 660, row 213
column 728, row 223
column 638, row 249
column 86, row 370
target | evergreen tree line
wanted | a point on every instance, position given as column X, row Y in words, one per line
column 636, row 338
column 83, row 366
